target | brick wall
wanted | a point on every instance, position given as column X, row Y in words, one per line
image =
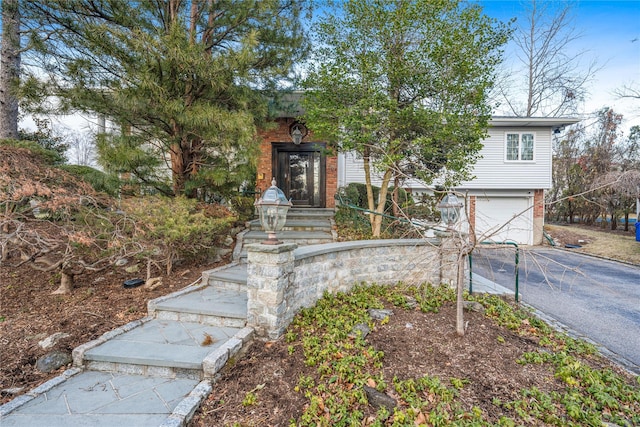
column 280, row 133
column 538, row 216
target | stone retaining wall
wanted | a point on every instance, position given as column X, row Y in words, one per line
column 282, row 279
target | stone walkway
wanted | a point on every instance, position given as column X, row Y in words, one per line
column 152, row 372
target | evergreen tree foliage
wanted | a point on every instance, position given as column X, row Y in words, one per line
column 187, row 81
column 45, row 136
column 405, row 84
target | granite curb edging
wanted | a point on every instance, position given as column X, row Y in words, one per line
column 215, row 361
column 185, row 410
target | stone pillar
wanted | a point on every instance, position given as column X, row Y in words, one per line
column 269, row 273
column 449, row 252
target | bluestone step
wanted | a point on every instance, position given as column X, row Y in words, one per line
column 309, row 237
column 233, row 277
column 102, row 399
column 298, row 225
column 209, row 305
column 159, row 348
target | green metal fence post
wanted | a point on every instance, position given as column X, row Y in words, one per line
column 517, row 270
column 517, row 262
column 470, row 273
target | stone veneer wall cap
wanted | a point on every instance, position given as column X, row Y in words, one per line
column 325, row 248
column 271, row 249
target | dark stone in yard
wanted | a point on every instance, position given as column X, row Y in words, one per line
column 379, row 314
column 52, row 361
column 52, row 340
column 363, row 328
column 378, row 400
column 474, row 306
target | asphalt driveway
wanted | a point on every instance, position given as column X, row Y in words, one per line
column 596, row 298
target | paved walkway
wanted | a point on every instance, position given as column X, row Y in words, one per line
column 152, row 372
column 155, row 371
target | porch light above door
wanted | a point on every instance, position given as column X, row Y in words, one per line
column 298, row 132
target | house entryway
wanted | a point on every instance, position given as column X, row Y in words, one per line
column 300, row 173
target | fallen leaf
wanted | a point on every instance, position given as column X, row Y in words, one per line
column 420, row 419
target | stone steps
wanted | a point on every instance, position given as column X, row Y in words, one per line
column 211, row 305
column 304, row 226
column 232, row 277
column 188, row 334
column 160, row 348
column 320, row 224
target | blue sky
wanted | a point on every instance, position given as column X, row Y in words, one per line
column 610, row 34
column 607, row 28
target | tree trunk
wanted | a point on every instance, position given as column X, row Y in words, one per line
column 459, row 297
column 9, row 69
column 376, row 227
column 177, row 168
column 66, row 284
column 394, row 198
column 367, row 180
column 626, row 221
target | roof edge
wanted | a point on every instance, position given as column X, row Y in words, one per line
column 505, row 121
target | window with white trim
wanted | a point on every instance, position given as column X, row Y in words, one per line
column 519, row 146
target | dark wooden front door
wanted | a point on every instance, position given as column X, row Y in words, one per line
column 300, row 174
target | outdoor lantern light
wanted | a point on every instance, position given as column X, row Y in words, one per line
column 449, row 208
column 297, row 133
column 272, row 208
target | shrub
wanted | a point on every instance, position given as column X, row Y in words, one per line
column 50, row 157
column 356, row 194
column 99, row 180
column 181, row 228
column 243, row 207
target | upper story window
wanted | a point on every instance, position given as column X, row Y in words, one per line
column 519, row 147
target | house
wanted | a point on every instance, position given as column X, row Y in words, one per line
column 505, row 199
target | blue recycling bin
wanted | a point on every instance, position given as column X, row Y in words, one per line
column 637, row 231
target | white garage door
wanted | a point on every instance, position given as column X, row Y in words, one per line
column 505, row 218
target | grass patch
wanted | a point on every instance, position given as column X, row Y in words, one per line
column 618, row 246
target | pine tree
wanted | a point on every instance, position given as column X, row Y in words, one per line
column 187, row 81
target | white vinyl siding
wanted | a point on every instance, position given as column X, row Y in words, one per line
column 491, row 171
column 494, row 171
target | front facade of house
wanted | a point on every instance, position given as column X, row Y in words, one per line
column 505, row 199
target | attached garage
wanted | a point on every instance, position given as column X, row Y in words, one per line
column 502, row 218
